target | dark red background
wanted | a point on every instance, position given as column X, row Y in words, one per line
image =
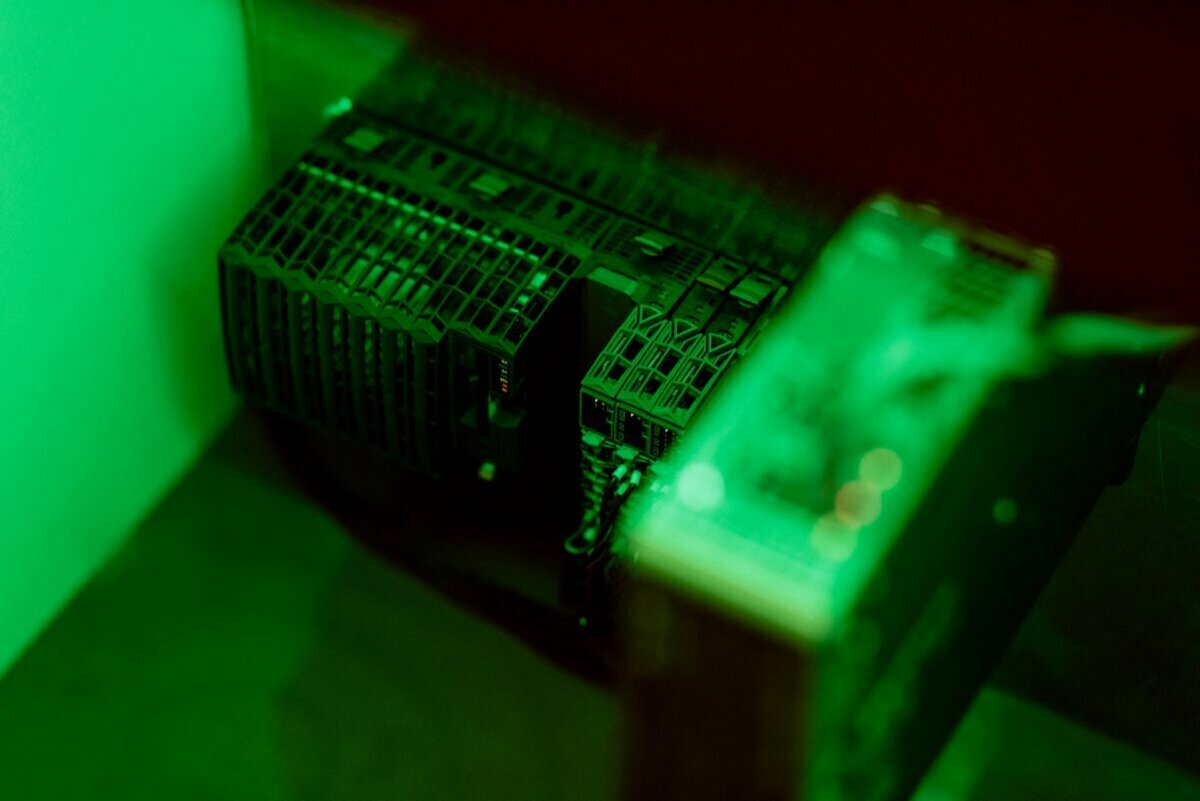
column 1072, row 124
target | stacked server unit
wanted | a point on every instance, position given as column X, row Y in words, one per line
column 471, row 281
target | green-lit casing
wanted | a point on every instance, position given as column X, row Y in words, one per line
column 800, row 626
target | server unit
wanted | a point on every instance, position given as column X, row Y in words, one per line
column 480, row 284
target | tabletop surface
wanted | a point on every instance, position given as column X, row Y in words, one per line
column 244, row 645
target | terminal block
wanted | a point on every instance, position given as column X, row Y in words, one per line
column 479, row 284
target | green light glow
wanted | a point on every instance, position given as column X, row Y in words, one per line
column 876, row 242
column 339, row 107
column 942, row 243
column 833, row 538
column 881, row 467
column 858, row 503
column 701, row 487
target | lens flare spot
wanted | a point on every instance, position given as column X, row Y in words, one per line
column 833, row 539
column 858, row 503
column 700, row 486
column 881, row 468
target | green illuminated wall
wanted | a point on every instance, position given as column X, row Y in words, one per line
column 127, row 152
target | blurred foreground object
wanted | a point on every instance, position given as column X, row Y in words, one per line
column 833, row 560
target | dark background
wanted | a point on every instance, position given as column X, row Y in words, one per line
column 1072, row 124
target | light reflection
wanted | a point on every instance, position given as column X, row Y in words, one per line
column 881, row 467
column 700, row 486
column 858, row 503
column 833, row 539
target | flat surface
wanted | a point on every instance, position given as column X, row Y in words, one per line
column 1114, row 640
column 242, row 645
column 1007, row 749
